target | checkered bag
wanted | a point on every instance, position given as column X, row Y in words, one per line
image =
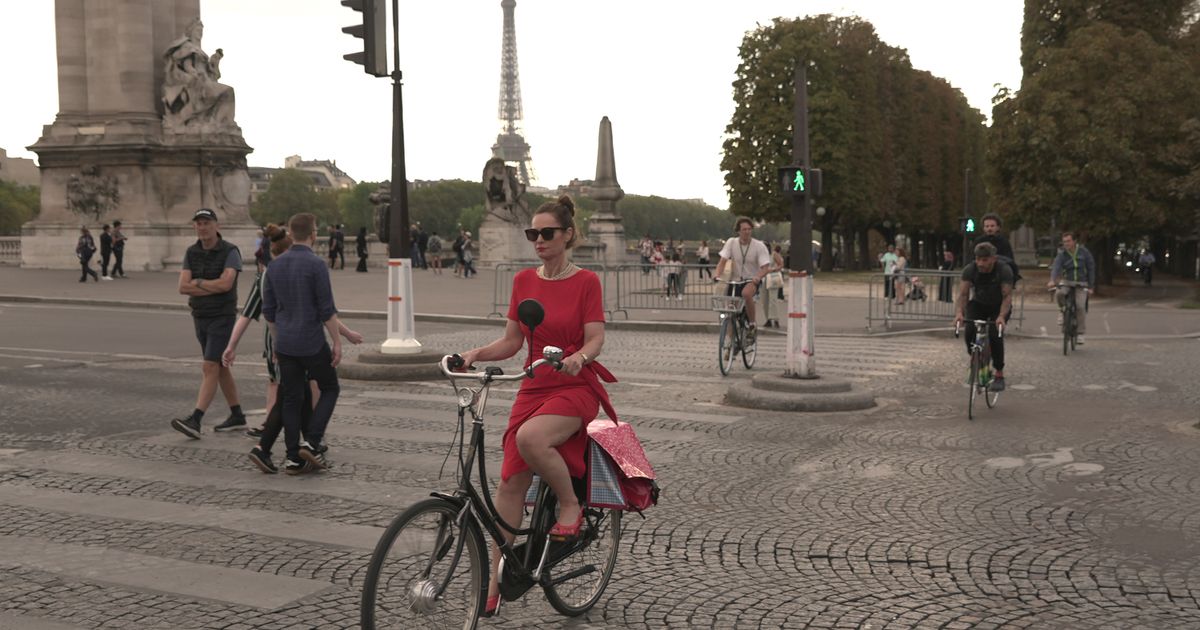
column 603, row 480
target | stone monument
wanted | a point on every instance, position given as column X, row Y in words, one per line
column 605, row 227
column 1024, row 244
column 145, row 133
column 507, row 214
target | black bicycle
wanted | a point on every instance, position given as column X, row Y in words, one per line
column 430, row 568
column 979, row 374
column 1070, row 314
column 735, row 336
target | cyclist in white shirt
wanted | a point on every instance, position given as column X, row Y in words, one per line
column 751, row 260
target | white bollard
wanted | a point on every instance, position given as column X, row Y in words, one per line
column 401, row 336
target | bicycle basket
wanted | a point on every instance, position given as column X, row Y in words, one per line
column 727, row 304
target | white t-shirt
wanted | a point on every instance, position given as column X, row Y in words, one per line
column 746, row 259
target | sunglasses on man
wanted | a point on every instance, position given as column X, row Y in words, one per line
column 546, row 233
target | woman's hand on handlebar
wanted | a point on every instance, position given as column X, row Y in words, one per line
column 572, row 365
column 468, row 360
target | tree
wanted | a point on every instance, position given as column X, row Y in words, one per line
column 290, row 192
column 18, row 205
column 355, row 207
column 1092, row 140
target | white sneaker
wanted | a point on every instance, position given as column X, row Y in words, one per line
column 679, row 297
column 1079, row 339
column 106, row 277
column 1059, row 319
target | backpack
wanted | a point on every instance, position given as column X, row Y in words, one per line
column 458, row 243
column 435, row 244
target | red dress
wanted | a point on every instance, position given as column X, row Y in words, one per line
column 569, row 304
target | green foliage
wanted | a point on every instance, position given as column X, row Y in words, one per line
column 1101, row 137
column 892, row 142
column 290, row 192
column 439, row 207
column 18, row 205
column 355, row 207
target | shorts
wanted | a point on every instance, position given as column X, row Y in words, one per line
column 213, row 333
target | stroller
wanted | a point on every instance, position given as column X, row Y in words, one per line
column 916, row 290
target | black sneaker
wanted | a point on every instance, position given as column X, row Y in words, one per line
column 234, row 421
column 263, row 461
column 997, row 384
column 297, row 468
column 313, row 456
column 188, row 426
column 254, row 432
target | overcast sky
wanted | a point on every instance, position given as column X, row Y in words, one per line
column 661, row 70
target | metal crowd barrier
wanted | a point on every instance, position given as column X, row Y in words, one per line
column 635, row 286
column 928, row 296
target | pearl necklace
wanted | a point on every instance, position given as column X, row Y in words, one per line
column 566, row 271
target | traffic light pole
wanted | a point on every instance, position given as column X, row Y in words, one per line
column 401, row 337
column 801, row 354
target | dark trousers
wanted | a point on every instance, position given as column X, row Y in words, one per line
column 889, row 289
column 85, row 263
column 104, row 263
column 362, row 264
column 294, row 373
column 118, row 262
column 274, row 423
column 975, row 310
column 705, row 269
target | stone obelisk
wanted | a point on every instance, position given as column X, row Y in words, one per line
column 144, row 134
column 605, row 226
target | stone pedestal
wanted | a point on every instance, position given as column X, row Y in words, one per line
column 501, row 241
column 1024, row 247
column 777, row 392
column 376, row 366
column 606, row 230
column 107, row 157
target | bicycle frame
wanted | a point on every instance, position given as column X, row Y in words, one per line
column 479, row 505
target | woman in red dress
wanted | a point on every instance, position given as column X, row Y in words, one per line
column 547, row 431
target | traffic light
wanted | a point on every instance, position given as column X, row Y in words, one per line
column 967, row 225
column 794, row 181
column 373, row 32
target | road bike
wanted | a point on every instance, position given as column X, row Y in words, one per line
column 1070, row 315
column 735, row 336
column 431, row 566
column 979, row 374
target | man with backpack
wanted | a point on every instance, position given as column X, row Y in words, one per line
column 459, row 264
column 435, row 253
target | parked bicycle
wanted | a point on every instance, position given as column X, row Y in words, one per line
column 735, row 336
column 430, row 568
column 979, row 374
column 1070, row 322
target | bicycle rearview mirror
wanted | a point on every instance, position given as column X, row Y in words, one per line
column 531, row 313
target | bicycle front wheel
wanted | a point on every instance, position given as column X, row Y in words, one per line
column 725, row 346
column 426, row 571
column 973, row 383
column 574, row 584
column 749, row 350
column 990, row 396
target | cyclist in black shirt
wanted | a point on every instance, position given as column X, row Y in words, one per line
column 991, row 299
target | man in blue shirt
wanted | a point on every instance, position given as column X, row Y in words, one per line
column 299, row 309
column 1073, row 264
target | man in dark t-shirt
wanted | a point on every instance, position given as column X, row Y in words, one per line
column 985, row 292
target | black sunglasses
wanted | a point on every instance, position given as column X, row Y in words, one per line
column 547, row 233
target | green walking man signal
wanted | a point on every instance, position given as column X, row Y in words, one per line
column 968, row 225
column 798, row 181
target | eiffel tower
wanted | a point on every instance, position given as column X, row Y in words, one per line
column 510, row 144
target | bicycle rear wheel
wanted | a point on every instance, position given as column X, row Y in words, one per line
column 426, row 571
column 990, row 396
column 574, row 584
column 973, row 382
column 749, row 348
column 725, row 345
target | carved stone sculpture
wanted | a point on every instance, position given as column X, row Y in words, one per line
column 91, row 194
column 193, row 98
column 505, row 194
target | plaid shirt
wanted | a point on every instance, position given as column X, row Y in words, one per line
column 298, row 299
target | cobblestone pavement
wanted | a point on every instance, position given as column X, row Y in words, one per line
column 1072, row 504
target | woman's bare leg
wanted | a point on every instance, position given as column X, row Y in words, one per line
column 510, row 504
column 536, row 440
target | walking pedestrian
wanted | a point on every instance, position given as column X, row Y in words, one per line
column 646, row 249
column 888, row 261
column 1146, row 264
column 900, row 276
column 85, row 248
column 702, row 259
column 435, row 253
column 331, row 246
column 770, row 306
column 458, row 253
column 360, row 248
column 468, row 256
column 106, row 242
column 118, row 250
column 340, row 233
column 423, row 245
column 946, row 286
column 209, row 279
column 299, row 308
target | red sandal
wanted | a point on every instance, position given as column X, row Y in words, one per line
column 492, row 606
column 563, row 533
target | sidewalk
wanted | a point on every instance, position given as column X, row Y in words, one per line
column 841, row 307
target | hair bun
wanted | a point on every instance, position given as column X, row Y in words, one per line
column 274, row 232
column 565, row 201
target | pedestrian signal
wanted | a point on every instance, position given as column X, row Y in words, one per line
column 794, row 180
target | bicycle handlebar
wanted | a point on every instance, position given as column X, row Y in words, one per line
column 451, row 362
column 978, row 323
